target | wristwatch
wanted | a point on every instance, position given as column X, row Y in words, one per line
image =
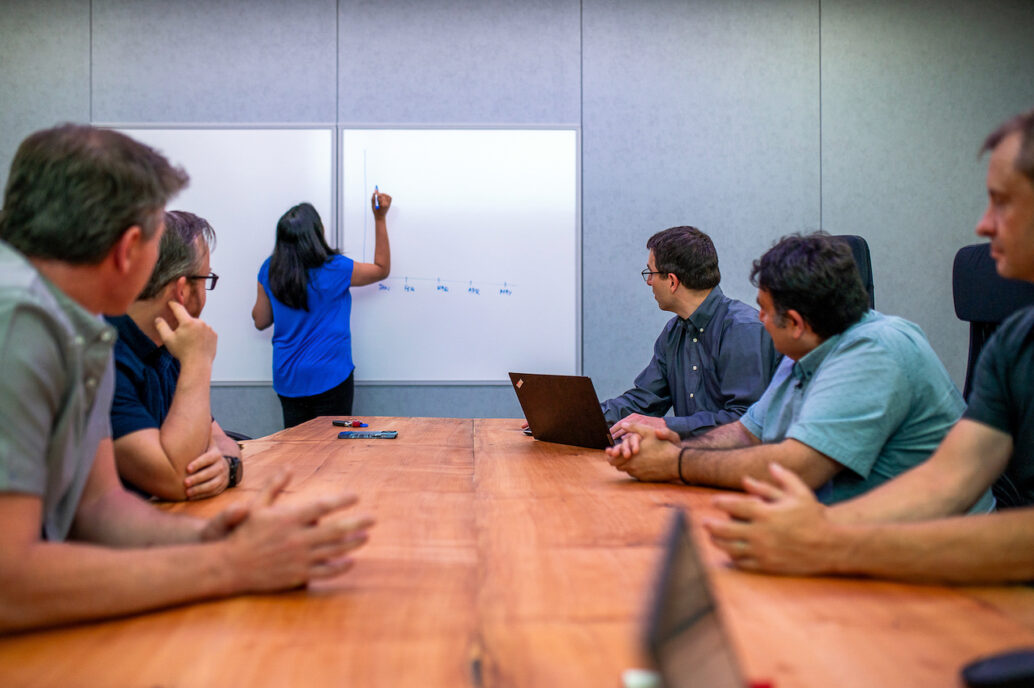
column 236, row 469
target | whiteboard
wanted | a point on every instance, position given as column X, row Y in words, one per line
column 242, row 181
column 484, row 234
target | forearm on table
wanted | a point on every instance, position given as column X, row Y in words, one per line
column 122, row 519
column 54, row 583
column 635, row 400
column 990, row 548
column 728, row 467
column 702, row 421
column 732, row 435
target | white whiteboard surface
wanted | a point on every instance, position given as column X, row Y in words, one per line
column 484, row 253
column 242, row 181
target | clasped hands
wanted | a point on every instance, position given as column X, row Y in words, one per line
column 648, row 450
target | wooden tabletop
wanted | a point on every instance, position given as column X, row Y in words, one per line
column 498, row 560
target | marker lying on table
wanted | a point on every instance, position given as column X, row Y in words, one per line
column 352, row 423
column 368, row 435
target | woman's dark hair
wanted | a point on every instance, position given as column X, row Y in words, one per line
column 815, row 275
column 300, row 246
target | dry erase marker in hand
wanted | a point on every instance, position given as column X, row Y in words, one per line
column 376, row 201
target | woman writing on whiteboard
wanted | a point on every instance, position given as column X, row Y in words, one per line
column 303, row 291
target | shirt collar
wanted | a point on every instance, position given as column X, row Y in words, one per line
column 706, row 310
column 810, row 362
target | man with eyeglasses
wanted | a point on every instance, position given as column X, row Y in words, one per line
column 166, row 441
column 711, row 361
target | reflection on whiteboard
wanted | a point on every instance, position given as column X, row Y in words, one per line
column 242, row 181
column 483, row 230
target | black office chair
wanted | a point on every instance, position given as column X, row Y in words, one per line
column 983, row 299
column 860, row 251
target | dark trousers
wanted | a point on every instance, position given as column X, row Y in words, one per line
column 333, row 402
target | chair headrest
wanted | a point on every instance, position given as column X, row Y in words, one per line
column 980, row 294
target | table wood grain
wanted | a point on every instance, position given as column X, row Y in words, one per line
column 498, row 560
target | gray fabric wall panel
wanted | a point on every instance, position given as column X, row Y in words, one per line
column 214, row 61
column 703, row 113
column 255, row 411
column 909, row 90
column 460, row 62
column 692, row 111
column 44, row 69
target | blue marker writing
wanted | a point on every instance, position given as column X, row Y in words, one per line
column 376, row 201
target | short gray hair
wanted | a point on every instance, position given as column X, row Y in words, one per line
column 1024, row 124
column 178, row 254
column 74, row 190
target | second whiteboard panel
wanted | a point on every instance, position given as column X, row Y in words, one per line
column 484, row 248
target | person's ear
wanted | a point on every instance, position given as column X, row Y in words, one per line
column 673, row 282
column 798, row 325
column 180, row 290
column 127, row 249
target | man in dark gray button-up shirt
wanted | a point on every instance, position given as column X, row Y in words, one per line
column 712, row 360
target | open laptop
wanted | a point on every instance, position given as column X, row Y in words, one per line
column 562, row 409
column 684, row 634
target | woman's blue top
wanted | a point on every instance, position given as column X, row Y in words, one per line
column 312, row 351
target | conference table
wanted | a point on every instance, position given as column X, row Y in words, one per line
column 499, row 560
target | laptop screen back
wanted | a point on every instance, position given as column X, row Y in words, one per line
column 684, row 634
column 562, row 409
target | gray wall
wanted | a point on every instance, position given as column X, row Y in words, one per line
column 749, row 119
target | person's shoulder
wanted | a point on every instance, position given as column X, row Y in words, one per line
column 1015, row 333
column 737, row 313
column 340, row 262
column 899, row 339
column 878, row 326
column 1019, row 324
column 23, row 289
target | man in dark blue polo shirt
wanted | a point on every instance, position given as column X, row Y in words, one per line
column 166, row 442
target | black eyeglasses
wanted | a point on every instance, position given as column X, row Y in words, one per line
column 210, row 279
column 647, row 272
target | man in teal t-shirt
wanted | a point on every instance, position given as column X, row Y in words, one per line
column 860, row 398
